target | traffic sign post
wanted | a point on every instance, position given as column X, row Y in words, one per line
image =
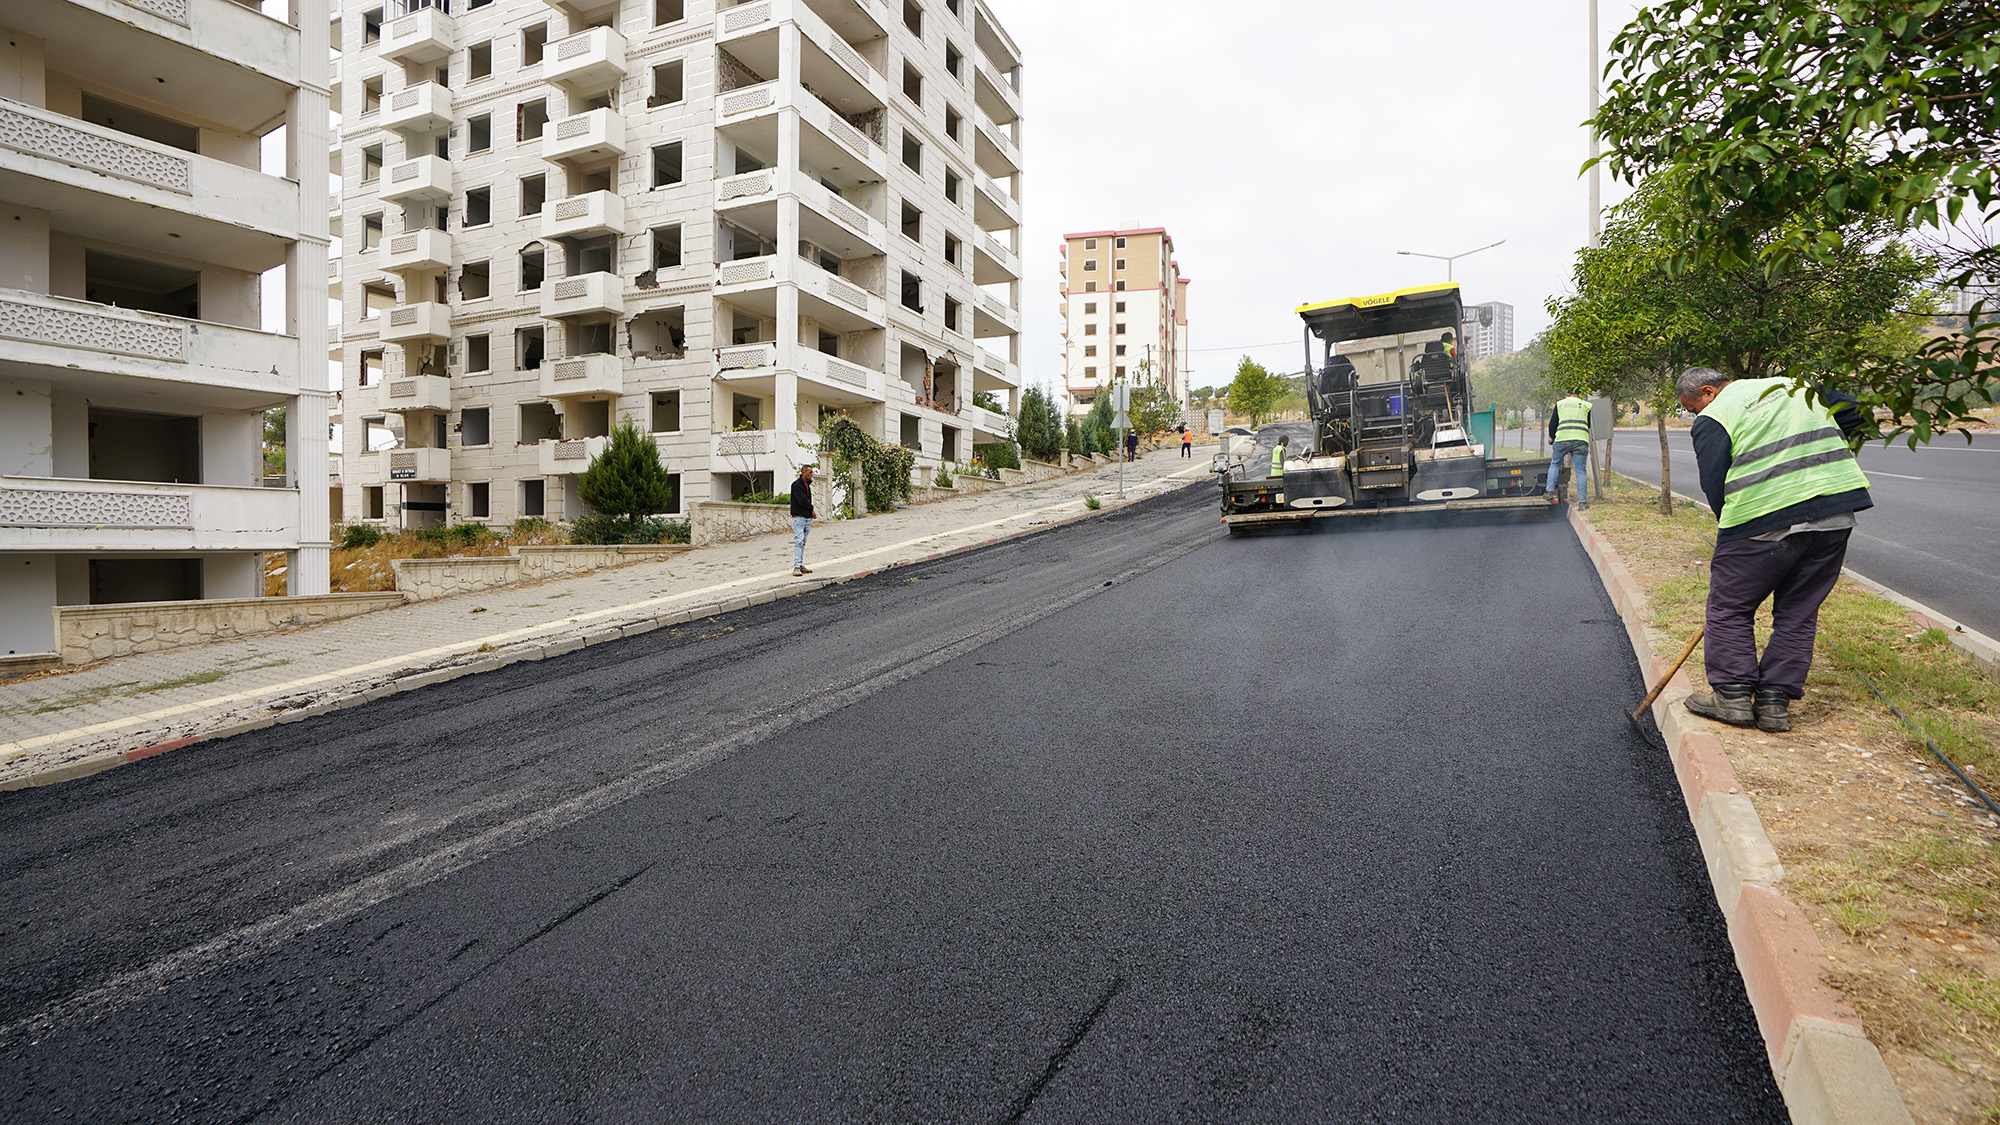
column 1121, row 401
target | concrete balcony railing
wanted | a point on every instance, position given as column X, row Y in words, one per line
column 422, row 108
column 994, row 152
column 61, row 513
column 762, row 18
column 420, row 465
column 587, row 62
column 994, row 207
column 564, row 456
column 418, row 393
column 425, row 250
column 750, row 187
column 837, row 290
column 745, row 357
column 424, row 36
column 992, row 262
column 992, row 317
column 427, row 178
column 841, row 210
column 59, row 338
column 995, row 366
column 130, row 183
column 409, row 324
column 746, row 273
column 583, row 295
column 991, row 421
column 593, row 135
column 593, row 212
column 583, row 377
column 761, row 451
column 994, row 91
column 841, row 376
column 769, row 99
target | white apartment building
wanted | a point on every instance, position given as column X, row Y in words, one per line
column 1489, row 330
column 136, row 232
column 719, row 219
column 1124, row 313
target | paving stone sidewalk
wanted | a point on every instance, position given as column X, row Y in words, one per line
column 75, row 723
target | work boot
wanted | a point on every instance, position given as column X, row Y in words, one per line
column 1728, row 703
column 1773, row 708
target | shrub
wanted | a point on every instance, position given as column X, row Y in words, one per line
column 626, row 482
column 599, row 528
column 1001, row 454
column 360, row 535
column 764, row 498
column 456, row 536
column 885, row 469
column 529, row 525
column 942, row 478
column 677, row 531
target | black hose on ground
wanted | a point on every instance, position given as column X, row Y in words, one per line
column 1898, row 712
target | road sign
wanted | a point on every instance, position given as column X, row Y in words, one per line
column 1215, row 421
column 1121, row 422
column 1121, row 401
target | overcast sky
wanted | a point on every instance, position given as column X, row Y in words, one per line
column 1293, row 146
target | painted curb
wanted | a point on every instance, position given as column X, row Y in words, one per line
column 414, row 678
column 1826, row 1068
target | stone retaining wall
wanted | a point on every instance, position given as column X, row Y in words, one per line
column 95, row 632
column 423, row 579
column 713, row 521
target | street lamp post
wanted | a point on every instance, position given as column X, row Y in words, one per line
column 1448, row 259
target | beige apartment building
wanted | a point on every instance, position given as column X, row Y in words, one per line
column 722, row 220
column 1124, row 306
column 140, row 238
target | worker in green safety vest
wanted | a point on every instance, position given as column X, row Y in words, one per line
column 1569, row 436
column 1778, row 472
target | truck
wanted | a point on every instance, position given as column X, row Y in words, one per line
column 1390, row 429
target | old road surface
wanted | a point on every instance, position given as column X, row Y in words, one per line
column 1125, row 821
column 1933, row 534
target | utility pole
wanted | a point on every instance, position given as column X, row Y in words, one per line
column 1596, row 209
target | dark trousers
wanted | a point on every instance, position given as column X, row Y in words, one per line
column 1796, row 573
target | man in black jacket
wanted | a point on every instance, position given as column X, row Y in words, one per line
column 802, row 518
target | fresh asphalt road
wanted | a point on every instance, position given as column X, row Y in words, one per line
column 1933, row 534
column 1124, row 821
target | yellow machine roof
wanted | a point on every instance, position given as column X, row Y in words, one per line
column 1415, row 309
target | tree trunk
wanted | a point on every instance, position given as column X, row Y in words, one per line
column 1666, row 468
column 1609, row 432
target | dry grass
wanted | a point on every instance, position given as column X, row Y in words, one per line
column 367, row 569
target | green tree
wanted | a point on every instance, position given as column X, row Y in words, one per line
column 1039, row 427
column 1154, row 410
column 1254, row 391
column 1801, row 129
column 626, row 482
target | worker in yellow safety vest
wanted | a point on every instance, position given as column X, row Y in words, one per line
column 1779, row 474
column 1569, row 436
column 1278, row 458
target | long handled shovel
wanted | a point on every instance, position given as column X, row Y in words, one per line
column 1633, row 718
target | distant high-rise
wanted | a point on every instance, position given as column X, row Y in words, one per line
column 1124, row 313
column 1489, row 330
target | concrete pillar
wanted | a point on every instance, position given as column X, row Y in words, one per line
column 788, row 257
column 307, row 140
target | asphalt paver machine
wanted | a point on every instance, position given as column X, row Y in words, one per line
column 1391, row 427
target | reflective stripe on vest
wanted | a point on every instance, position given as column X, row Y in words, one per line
column 1572, row 420
column 1784, row 450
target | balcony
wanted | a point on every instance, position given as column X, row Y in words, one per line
column 87, row 346
column 585, row 294
column 750, row 187
column 418, row 392
column 992, row 317
column 422, row 108
column 987, row 365
column 423, row 36
column 62, row 513
column 418, row 323
column 594, row 212
column 993, row 206
column 568, row 455
column 837, row 381
column 994, row 151
column 427, row 250
column 990, row 421
column 994, row 92
column 992, row 262
column 419, row 466
column 583, row 377
column 587, row 62
column 426, row 179
column 760, row 451
column 817, row 197
column 135, row 191
column 745, row 357
column 840, row 303
column 595, row 135
column 828, row 63
column 751, row 114
column 746, row 273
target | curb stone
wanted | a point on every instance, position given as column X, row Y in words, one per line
column 455, row 667
column 1826, row 1068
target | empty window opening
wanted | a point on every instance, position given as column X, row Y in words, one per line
column 528, row 348
column 475, row 282
column 954, row 61
column 479, row 133
column 667, row 164
column 669, row 83
column 659, row 334
column 478, row 207
column 912, row 430
column 371, row 26
column 951, row 185
column 666, row 412
column 953, row 124
column 532, row 263
column 539, row 422
column 953, row 251
column 1119, row 264
column 949, row 451
column 589, row 255
column 129, row 445
column 478, row 504
column 531, row 119
column 669, row 11
column 913, row 152
column 667, row 247
column 913, row 85
column 371, row 502
column 479, row 60
column 371, row 164
column 531, row 497
column 951, row 314
column 371, row 94
column 913, row 292
column 371, row 368
column 479, row 353
column 913, row 220
column 913, row 17
column 1120, row 244
column 534, row 40
column 377, row 435
column 1090, row 244
column 588, row 339
column 534, row 193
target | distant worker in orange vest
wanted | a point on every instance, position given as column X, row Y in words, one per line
column 1187, row 442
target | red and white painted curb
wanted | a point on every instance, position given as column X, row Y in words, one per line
column 1827, row 1070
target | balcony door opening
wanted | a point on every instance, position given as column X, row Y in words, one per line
column 589, row 255
column 139, row 123
column 589, row 339
column 746, row 412
column 589, row 419
column 660, row 334
column 114, row 581
column 745, row 484
column 134, row 283
column 129, row 445
column 539, row 422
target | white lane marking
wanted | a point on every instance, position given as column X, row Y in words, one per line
column 1880, row 473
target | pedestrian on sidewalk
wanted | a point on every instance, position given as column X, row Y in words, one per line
column 1569, row 435
column 802, row 519
column 1131, row 445
column 1187, row 442
column 1778, row 472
